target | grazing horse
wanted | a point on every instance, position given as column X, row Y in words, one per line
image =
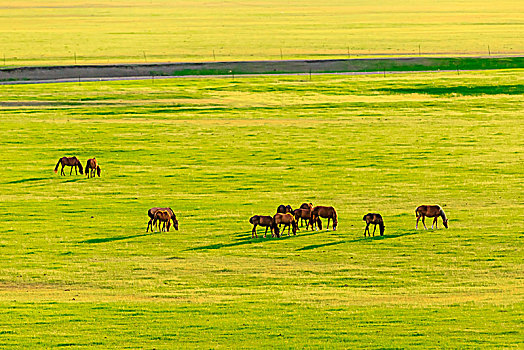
column 304, row 214
column 288, row 220
column 305, row 206
column 376, row 219
column 326, row 213
column 164, row 217
column 151, row 213
column 69, row 161
column 91, row 167
column 283, row 209
column 430, row 211
column 264, row 221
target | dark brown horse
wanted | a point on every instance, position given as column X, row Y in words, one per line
column 288, row 220
column 151, row 213
column 73, row 162
column 304, row 215
column 375, row 219
column 264, row 221
column 431, row 211
column 164, row 217
column 283, row 209
column 305, row 206
column 92, row 167
column 326, row 213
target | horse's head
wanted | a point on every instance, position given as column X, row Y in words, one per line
column 289, row 209
column 175, row 222
column 335, row 224
column 275, row 228
column 98, row 171
column 445, row 222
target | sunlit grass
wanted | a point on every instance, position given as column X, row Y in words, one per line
column 78, row 269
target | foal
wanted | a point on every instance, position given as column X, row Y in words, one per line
column 163, row 217
column 375, row 219
column 430, row 211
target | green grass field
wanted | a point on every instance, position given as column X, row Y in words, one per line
column 78, row 270
column 50, row 32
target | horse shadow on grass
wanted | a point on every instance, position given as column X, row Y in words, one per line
column 241, row 240
column 30, row 179
column 362, row 239
column 112, row 239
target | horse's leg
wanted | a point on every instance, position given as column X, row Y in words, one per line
column 374, row 229
column 436, row 222
column 149, row 224
column 424, row 222
column 254, row 231
column 416, row 226
column 62, row 170
column 366, row 229
column 327, row 226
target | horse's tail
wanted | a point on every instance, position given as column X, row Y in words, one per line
column 252, row 219
column 365, row 216
column 416, row 212
column 57, row 164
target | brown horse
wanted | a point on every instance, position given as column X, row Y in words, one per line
column 305, row 206
column 151, row 213
column 91, row 167
column 264, row 221
column 326, row 213
column 376, row 219
column 73, row 162
column 288, row 220
column 430, row 211
column 304, row 215
column 283, row 209
column 164, row 217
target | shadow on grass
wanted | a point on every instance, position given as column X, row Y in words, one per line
column 112, row 239
column 375, row 238
column 31, row 179
column 76, row 179
column 464, row 90
column 249, row 240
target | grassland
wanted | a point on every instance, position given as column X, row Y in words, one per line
column 78, row 270
column 51, row 32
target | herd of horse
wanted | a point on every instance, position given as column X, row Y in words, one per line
column 289, row 218
column 162, row 217
column 311, row 215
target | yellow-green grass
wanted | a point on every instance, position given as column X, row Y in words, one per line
column 77, row 268
column 65, row 32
